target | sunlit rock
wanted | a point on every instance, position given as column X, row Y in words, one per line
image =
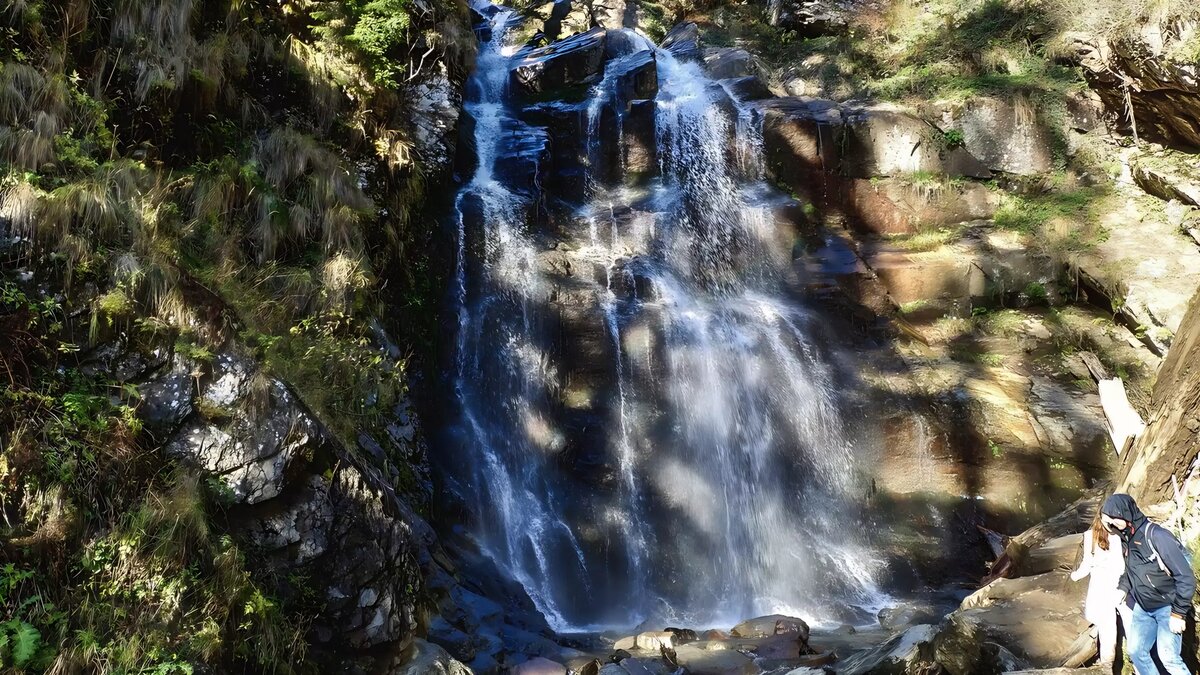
column 423, row 658
column 885, row 140
column 902, row 653
column 728, row 62
column 436, row 102
column 1013, row 135
column 654, row 640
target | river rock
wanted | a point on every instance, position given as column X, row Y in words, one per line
column 645, row 666
column 770, row 625
column 637, row 76
column 682, row 636
column 748, row 88
column 1001, row 612
column 423, row 658
column 908, row 614
column 540, row 666
column 902, row 653
column 708, row 662
column 571, row 62
column 653, row 640
column 623, row 41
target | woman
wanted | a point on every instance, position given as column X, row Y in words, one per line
column 1104, row 560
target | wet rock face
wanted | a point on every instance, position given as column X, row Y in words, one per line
column 683, row 41
column 575, row 61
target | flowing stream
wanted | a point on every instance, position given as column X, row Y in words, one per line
column 647, row 425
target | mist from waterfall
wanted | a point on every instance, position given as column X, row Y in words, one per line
column 732, row 485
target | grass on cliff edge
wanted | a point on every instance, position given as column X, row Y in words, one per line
column 945, row 49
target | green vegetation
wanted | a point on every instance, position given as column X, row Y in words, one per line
column 113, row 565
column 945, row 50
column 1035, row 292
column 183, row 175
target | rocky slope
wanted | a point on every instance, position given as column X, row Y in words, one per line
column 209, row 456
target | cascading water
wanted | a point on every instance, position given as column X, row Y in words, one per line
column 646, row 424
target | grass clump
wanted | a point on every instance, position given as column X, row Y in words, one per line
column 1029, row 213
column 927, row 240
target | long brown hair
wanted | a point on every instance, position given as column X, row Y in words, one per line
column 1099, row 533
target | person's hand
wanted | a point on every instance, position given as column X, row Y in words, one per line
column 1177, row 624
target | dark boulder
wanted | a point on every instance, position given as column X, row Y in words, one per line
column 748, row 88
column 682, row 636
column 572, row 62
column 683, row 41
column 622, row 42
column 723, row 63
column 770, row 625
column 636, row 75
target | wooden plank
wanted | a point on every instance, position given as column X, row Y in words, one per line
column 1097, row 369
column 1124, row 423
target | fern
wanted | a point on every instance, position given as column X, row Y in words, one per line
column 20, row 641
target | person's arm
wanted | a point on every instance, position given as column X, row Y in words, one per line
column 1085, row 565
column 1175, row 560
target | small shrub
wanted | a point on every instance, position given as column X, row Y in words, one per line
column 1035, row 292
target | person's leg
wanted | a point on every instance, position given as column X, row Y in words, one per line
column 1107, row 628
column 1143, row 631
column 1169, row 644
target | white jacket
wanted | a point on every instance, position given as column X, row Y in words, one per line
column 1105, row 568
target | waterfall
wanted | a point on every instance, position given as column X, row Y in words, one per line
column 646, row 423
